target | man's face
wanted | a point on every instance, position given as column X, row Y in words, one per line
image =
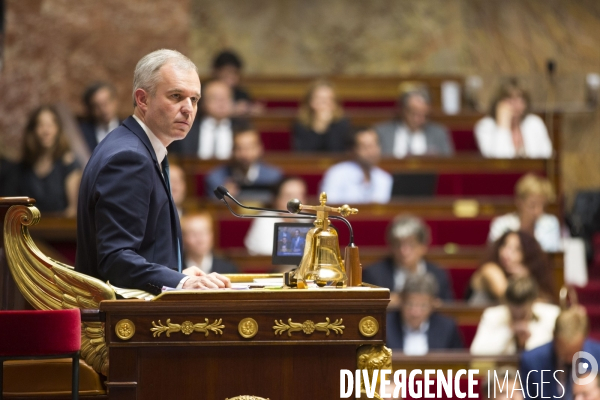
column 415, row 113
column 366, row 148
column 566, row 348
column 590, row 391
column 408, row 252
column 292, row 189
column 416, row 309
column 197, row 236
column 103, row 106
column 218, row 100
column 169, row 113
column 247, row 148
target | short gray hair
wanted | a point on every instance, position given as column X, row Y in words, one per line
column 146, row 71
column 421, row 92
column 421, row 284
column 405, row 226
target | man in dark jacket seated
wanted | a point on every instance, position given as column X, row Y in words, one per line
column 416, row 329
column 408, row 238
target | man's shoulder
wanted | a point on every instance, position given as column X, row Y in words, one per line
column 435, row 129
column 441, row 322
column 435, row 269
column 342, row 167
column 387, row 126
column 543, row 351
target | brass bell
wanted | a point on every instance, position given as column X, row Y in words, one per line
column 322, row 260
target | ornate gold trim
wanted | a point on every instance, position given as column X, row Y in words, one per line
column 371, row 358
column 125, row 329
column 368, row 326
column 248, row 328
column 187, row 327
column 247, row 398
column 308, row 327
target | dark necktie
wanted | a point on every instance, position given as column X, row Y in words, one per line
column 165, row 170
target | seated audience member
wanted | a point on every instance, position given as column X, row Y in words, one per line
column 511, row 130
column 510, row 389
column 260, row 236
column 211, row 134
column 359, row 180
column 521, row 323
column 587, row 389
column 245, row 175
column 532, row 193
column 321, row 125
column 197, row 235
column 48, row 171
column 178, row 186
column 408, row 238
column 513, row 255
column 412, row 134
column 417, row 329
column 570, row 336
column 100, row 100
column 227, row 67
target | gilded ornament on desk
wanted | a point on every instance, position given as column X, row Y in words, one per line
column 248, row 328
column 308, row 327
column 372, row 358
column 247, row 398
column 368, row 326
column 187, row 327
column 125, row 329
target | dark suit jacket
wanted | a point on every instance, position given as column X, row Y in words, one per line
column 382, row 274
column 442, row 333
column 189, row 145
column 439, row 142
column 336, row 138
column 222, row 266
column 268, row 177
column 544, row 358
column 127, row 224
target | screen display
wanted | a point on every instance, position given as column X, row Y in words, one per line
column 288, row 242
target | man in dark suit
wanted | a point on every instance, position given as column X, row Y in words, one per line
column 245, row 175
column 127, row 227
column 416, row 329
column 198, row 243
column 559, row 359
column 408, row 238
column 412, row 134
column 100, row 100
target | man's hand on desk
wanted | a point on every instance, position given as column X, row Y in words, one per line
column 199, row 279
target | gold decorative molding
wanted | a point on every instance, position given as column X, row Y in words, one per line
column 368, row 326
column 248, row 328
column 125, row 329
column 308, row 327
column 247, row 398
column 371, row 358
column 48, row 284
column 187, row 327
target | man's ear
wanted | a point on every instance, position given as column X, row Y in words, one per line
column 141, row 99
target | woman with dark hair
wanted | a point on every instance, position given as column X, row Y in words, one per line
column 511, row 130
column 48, row 171
column 321, row 125
column 513, row 255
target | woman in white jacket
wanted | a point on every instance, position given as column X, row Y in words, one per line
column 511, row 130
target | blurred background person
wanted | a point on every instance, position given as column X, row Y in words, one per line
column 408, row 238
column 178, row 187
column 211, row 134
column 321, row 125
column 245, row 175
column 417, row 329
column 513, row 255
column 48, row 171
column 198, row 242
column 100, row 100
column 587, row 391
column 412, row 134
column 532, row 194
column 511, row 130
column 359, row 180
column 227, row 67
column 570, row 336
column 521, row 323
column 260, row 236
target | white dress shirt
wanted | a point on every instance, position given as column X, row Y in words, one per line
column 345, row 183
column 546, row 229
column 102, row 131
column 497, row 142
column 409, row 143
column 216, row 139
column 415, row 340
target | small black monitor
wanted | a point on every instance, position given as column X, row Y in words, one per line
column 288, row 242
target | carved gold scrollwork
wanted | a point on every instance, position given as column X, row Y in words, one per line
column 187, row 327
column 372, row 358
column 308, row 327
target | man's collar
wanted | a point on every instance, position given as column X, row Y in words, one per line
column 422, row 329
column 159, row 148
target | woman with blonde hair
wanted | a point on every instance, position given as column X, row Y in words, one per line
column 532, row 194
column 321, row 125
